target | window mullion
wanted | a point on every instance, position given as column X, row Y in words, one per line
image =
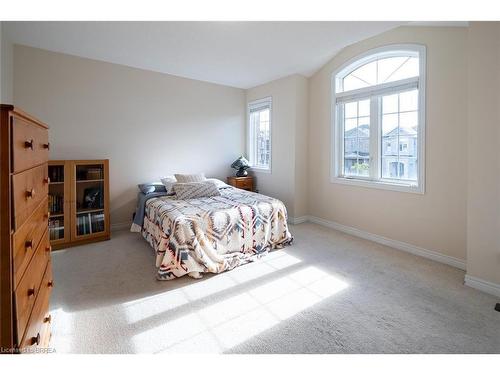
column 340, row 139
column 257, row 132
column 254, row 138
column 251, row 137
column 399, row 129
column 374, row 131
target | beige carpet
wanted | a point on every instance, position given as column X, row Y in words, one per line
column 328, row 293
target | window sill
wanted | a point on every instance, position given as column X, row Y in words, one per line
column 260, row 170
column 378, row 185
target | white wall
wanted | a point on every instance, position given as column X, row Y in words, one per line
column 437, row 219
column 148, row 124
column 289, row 142
column 301, row 147
column 6, row 67
column 483, row 203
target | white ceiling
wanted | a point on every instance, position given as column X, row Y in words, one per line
column 239, row 54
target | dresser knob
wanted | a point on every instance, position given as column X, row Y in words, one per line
column 48, row 249
column 30, row 193
column 47, row 215
column 28, row 144
column 47, row 319
column 35, row 339
column 46, row 145
column 46, row 180
column 50, row 284
column 28, row 244
column 31, row 292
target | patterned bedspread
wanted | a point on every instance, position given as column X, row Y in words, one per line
column 213, row 234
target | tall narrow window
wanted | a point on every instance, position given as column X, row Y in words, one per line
column 259, row 133
column 378, row 119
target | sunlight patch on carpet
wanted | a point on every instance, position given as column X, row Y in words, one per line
column 225, row 324
column 148, row 307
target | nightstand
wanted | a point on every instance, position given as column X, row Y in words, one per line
column 245, row 183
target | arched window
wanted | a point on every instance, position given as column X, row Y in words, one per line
column 378, row 119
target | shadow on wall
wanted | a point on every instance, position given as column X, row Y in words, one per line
column 123, row 206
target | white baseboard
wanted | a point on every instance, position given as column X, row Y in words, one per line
column 482, row 285
column 298, row 220
column 120, row 226
column 399, row 245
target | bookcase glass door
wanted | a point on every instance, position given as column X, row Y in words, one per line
column 57, row 199
column 89, row 200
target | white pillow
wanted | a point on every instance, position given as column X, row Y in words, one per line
column 220, row 184
column 183, row 178
column 169, row 182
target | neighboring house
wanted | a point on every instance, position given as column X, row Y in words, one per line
column 357, row 150
column 399, row 159
column 263, row 147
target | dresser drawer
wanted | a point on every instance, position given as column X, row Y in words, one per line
column 30, row 145
column 26, row 239
column 29, row 188
column 37, row 333
column 30, row 284
column 246, row 184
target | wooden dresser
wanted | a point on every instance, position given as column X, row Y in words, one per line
column 25, row 267
column 245, row 183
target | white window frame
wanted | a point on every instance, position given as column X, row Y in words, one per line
column 336, row 158
column 258, row 103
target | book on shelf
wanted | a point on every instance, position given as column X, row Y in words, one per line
column 97, row 222
column 90, row 173
column 56, row 173
column 81, row 225
column 56, row 229
column 56, row 204
column 95, row 173
column 89, row 223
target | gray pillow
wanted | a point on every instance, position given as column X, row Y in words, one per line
column 193, row 190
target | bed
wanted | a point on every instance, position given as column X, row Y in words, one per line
column 210, row 235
